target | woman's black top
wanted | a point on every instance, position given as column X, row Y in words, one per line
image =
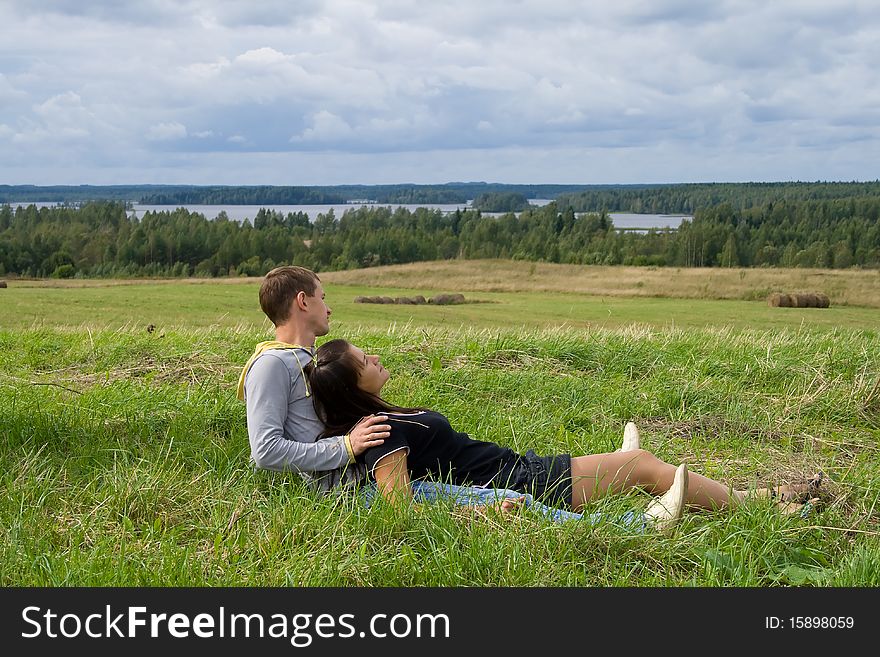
column 436, row 449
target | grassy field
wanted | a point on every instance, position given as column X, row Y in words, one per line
column 506, row 295
column 124, row 452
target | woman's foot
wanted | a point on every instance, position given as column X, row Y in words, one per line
column 664, row 512
column 631, row 438
column 810, row 506
column 792, row 493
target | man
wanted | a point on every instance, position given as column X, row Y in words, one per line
column 282, row 424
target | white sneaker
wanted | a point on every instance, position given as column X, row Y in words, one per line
column 631, row 438
column 665, row 511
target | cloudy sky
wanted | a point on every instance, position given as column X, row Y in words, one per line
column 313, row 92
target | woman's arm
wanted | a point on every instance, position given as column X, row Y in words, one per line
column 392, row 480
column 392, row 476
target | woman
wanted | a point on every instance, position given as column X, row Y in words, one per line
column 346, row 384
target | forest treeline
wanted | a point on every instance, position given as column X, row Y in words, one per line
column 687, row 198
column 105, row 239
column 678, row 198
column 396, row 194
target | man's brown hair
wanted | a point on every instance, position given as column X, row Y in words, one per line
column 280, row 287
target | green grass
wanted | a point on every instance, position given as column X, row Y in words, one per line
column 124, row 453
column 234, row 303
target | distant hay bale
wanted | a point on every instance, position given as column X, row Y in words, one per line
column 805, row 300
column 799, row 300
column 446, row 299
column 3, row 284
column 418, row 300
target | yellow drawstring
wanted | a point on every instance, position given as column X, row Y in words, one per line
column 263, row 347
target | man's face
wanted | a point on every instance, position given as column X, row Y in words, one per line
column 319, row 311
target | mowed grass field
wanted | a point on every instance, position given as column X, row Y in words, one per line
column 124, row 452
column 501, row 294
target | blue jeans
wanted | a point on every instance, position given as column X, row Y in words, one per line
column 432, row 491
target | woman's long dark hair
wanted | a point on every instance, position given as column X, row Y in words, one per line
column 338, row 400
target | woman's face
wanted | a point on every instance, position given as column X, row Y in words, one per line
column 372, row 375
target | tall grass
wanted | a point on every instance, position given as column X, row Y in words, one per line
column 124, row 459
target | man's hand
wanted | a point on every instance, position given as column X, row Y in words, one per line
column 369, row 432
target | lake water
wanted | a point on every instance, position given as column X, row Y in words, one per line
column 241, row 212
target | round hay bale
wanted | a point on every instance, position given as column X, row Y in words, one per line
column 404, row 300
column 361, row 299
column 386, row 300
column 419, row 299
column 447, row 299
column 2, row 283
column 780, row 300
column 807, row 300
column 824, row 301
column 775, row 300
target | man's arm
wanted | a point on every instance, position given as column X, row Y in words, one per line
column 267, row 396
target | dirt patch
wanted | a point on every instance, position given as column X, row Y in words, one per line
column 193, row 369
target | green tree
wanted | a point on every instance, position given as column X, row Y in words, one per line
column 729, row 255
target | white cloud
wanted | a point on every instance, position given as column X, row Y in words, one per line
column 61, row 119
column 260, row 57
column 166, row 131
column 8, row 92
column 325, row 126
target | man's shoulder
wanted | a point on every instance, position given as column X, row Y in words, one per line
column 291, row 358
column 276, row 363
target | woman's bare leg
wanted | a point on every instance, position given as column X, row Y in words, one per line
column 595, row 475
